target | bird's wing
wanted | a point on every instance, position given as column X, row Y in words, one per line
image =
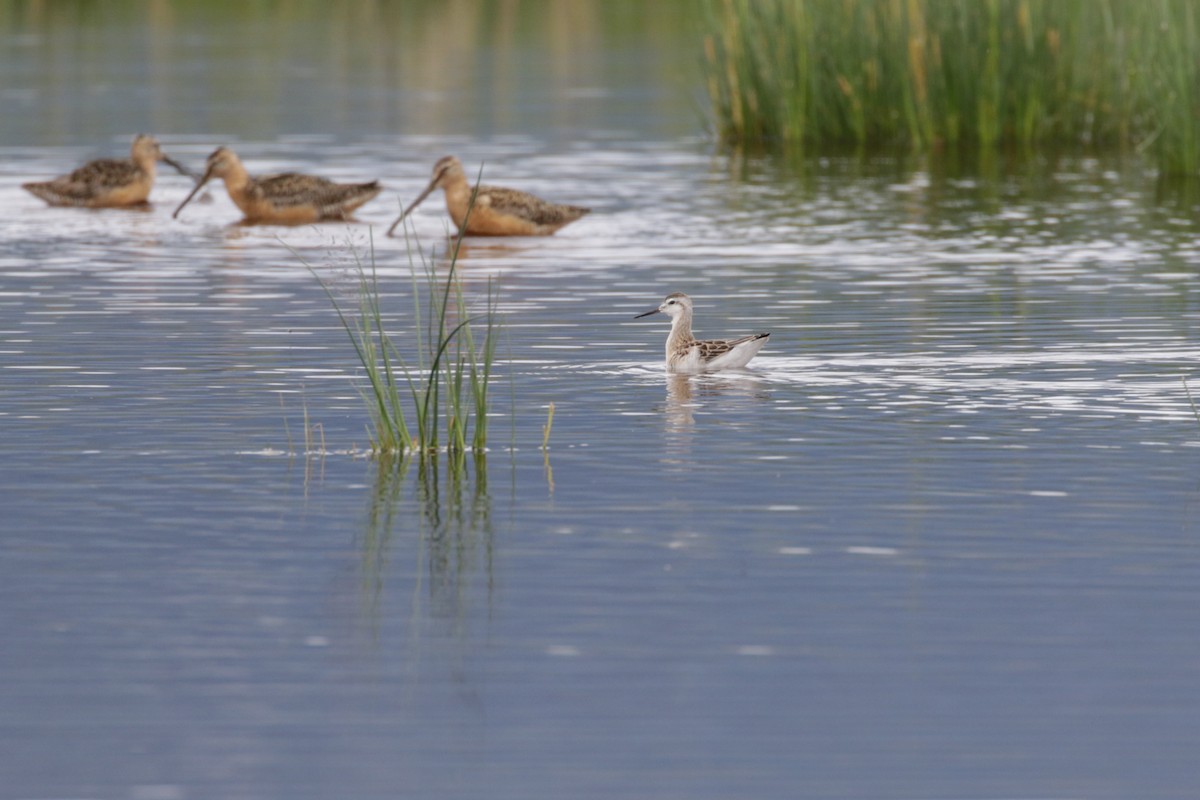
column 295, row 189
column 105, row 172
column 714, row 348
column 291, row 188
column 527, row 206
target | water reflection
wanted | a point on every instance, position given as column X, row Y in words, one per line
column 679, row 406
column 363, row 66
column 720, row 394
column 443, row 502
column 485, row 248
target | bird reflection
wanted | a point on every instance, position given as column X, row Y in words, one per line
column 711, row 393
column 679, row 405
column 489, row 249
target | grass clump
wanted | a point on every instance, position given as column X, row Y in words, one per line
column 444, row 382
column 929, row 74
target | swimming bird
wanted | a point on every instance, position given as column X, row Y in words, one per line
column 497, row 211
column 289, row 198
column 687, row 354
column 108, row 182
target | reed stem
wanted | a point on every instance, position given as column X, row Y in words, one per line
column 794, row 75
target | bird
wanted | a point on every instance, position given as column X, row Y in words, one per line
column 685, row 353
column 496, row 211
column 289, row 198
column 108, row 182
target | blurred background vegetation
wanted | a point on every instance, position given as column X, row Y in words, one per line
column 957, row 74
column 785, row 76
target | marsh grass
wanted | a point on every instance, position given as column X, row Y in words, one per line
column 546, row 448
column 314, row 432
column 436, row 398
column 941, row 74
column 546, row 428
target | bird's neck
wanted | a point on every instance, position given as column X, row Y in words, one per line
column 146, row 163
column 235, row 177
column 458, row 188
column 681, row 332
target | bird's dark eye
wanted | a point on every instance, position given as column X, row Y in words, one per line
column 670, row 302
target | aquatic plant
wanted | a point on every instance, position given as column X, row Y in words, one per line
column 312, row 430
column 546, row 428
column 446, row 379
column 546, row 448
column 929, row 74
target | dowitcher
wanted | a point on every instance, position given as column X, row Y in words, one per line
column 108, row 182
column 685, row 353
column 497, row 211
column 288, row 198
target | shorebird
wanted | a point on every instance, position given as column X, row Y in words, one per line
column 108, row 182
column 687, row 354
column 288, row 199
column 497, row 211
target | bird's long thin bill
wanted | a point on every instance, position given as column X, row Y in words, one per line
column 413, row 205
column 180, row 168
column 199, row 184
column 648, row 313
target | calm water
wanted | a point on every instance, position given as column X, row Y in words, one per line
column 939, row 541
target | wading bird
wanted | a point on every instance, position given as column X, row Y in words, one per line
column 108, row 182
column 496, row 211
column 288, row 199
column 685, row 353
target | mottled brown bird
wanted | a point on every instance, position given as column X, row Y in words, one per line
column 497, row 211
column 108, row 182
column 289, row 198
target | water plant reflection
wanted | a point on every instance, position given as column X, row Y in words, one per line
column 445, row 510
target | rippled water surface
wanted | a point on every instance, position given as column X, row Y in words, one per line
column 939, row 540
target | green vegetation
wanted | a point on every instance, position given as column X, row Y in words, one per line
column 447, row 386
column 312, row 430
column 931, row 74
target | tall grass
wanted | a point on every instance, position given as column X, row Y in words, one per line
column 929, row 74
column 445, row 380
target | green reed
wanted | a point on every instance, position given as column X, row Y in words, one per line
column 930, row 74
column 444, row 383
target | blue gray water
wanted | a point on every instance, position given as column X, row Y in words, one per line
column 938, row 541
